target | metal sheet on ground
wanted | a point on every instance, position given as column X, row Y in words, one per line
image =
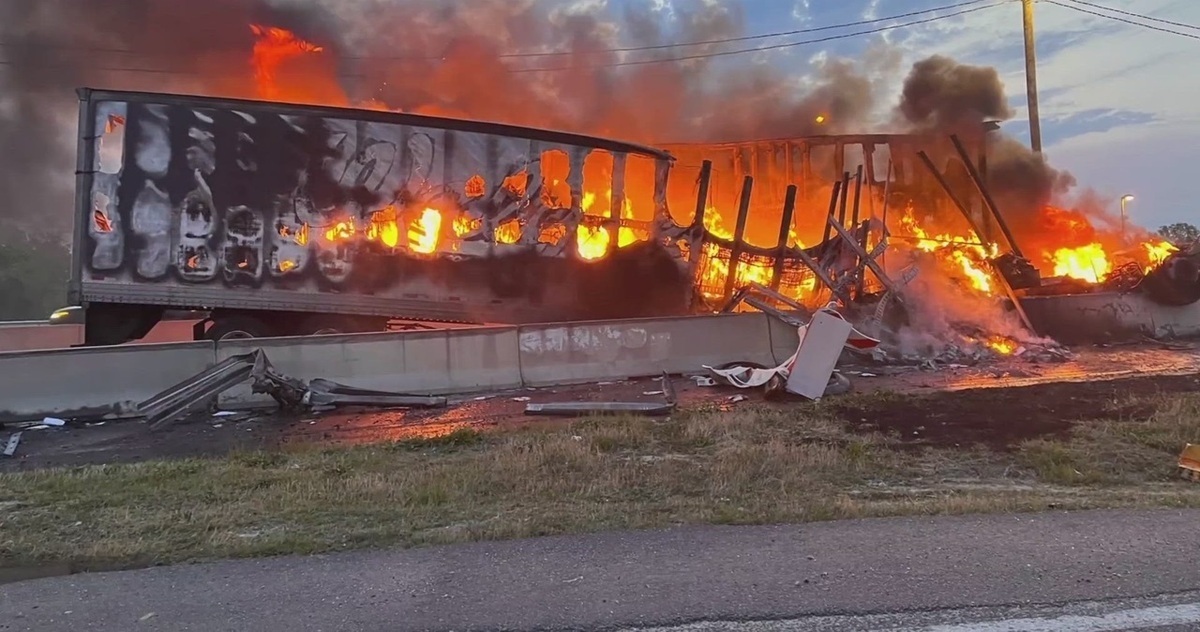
column 818, row 355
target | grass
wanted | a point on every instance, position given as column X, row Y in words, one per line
column 752, row 465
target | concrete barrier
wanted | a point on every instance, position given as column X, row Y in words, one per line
column 573, row 353
column 1099, row 316
column 30, row 335
column 38, row 335
column 93, row 382
column 418, row 362
column 784, row 340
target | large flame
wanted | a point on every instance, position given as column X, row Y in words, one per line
column 965, row 254
column 1066, row 244
column 272, row 47
column 1087, row 263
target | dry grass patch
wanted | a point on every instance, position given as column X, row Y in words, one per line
column 753, row 465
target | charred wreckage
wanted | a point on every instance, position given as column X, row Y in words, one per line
column 291, row 220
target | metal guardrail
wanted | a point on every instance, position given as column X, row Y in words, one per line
column 8, row 324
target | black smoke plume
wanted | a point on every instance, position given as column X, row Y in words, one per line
column 451, row 57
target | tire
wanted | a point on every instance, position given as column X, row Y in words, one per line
column 237, row 328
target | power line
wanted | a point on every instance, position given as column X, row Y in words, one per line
column 1136, row 15
column 519, row 55
column 742, row 51
column 727, row 40
column 1113, row 17
column 164, row 71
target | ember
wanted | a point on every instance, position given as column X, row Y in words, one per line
column 101, row 221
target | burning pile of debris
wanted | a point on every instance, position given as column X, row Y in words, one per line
column 934, row 298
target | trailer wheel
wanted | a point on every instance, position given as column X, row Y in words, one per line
column 236, row 328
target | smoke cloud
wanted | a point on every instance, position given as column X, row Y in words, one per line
column 942, row 95
column 471, row 58
column 466, row 58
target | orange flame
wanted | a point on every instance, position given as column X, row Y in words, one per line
column 475, row 187
column 1157, row 252
column 423, row 234
column 385, row 227
column 509, row 232
column 341, row 231
column 101, row 221
column 1086, row 263
column 1001, row 345
column 273, row 47
column 965, row 254
column 465, row 224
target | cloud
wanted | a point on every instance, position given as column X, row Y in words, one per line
column 1057, row 129
column 1115, row 99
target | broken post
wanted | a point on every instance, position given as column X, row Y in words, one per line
column 613, row 222
column 858, row 181
column 841, row 217
column 785, row 230
column 887, row 192
column 696, row 246
column 862, row 254
column 822, row 276
column 739, row 233
column 966, row 213
column 702, row 195
column 958, row 203
column 833, row 200
column 985, row 194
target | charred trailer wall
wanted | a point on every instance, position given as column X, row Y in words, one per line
column 814, row 164
column 197, row 202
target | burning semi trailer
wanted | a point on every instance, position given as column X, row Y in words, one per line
column 293, row 220
column 282, row 219
column 301, row 219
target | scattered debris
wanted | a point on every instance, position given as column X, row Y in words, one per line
column 703, row 381
column 734, row 399
column 14, row 440
column 521, row 399
column 321, row 393
column 200, row 391
column 810, row 372
column 587, row 409
column 1170, row 346
column 54, row 421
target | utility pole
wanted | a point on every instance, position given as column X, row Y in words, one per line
column 1035, row 125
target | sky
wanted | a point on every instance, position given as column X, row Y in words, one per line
column 1119, row 104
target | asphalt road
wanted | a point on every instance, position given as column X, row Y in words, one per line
column 956, row 574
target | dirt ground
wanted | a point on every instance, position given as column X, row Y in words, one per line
column 997, row 404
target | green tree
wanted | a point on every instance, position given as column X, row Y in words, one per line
column 33, row 276
column 1180, row 233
